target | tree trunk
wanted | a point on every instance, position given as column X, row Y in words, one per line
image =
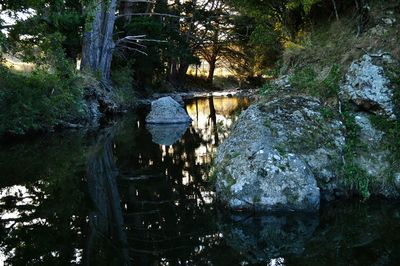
column 106, row 218
column 177, row 73
column 335, row 9
column 363, row 15
column 98, row 41
column 211, row 70
column 213, row 117
column 125, row 8
column 183, row 68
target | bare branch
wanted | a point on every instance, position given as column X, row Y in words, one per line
column 132, row 49
column 138, row 38
column 149, row 14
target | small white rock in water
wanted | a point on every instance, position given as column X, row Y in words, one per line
column 167, row 111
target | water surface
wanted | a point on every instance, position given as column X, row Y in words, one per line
column 127, row 195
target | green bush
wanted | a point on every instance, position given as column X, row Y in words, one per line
column 37, row 100
column 267, row 89
column 122, row 79
column 306, row 81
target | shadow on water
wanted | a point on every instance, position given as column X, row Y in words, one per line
column 106, row 222
column 130, row 196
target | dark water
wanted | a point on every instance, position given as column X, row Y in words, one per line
column 117, row 198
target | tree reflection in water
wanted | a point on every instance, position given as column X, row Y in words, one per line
column 117, row 198
column 106, row 223
column 42, row 204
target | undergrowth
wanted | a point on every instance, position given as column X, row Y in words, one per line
column 122, row 84
column 307, row 81
column 354, row 175
column 37, row 100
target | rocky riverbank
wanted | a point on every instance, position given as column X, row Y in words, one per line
column 290, row 151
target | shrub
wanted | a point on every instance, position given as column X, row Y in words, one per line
column 37, row 100
column 122, row 79
column 306, row 81
column 354, row 176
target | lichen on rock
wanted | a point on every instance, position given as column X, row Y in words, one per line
column 167, row 111
column 284, row 153
column 367, row 86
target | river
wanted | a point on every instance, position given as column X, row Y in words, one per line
column 132, row 194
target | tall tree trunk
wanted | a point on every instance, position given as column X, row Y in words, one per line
column 363, row 15
column 125, row 8
column 213, row 117
column 98, row 41
column 106, row 218
column 183, row 68
column 177, row 73
column 335, row 9
column 211, row 70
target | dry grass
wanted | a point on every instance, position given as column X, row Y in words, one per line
column 17, row 65
column 338, row 43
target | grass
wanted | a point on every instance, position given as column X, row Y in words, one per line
column 319, row 57
column 306, row 80
column 392, row 143
column 354, row 175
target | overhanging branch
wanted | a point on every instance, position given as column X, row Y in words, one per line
column 149, row 14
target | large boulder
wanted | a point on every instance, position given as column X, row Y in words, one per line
column 367, row 86
column 167, row 111
column 279, row 155
column 368, row 95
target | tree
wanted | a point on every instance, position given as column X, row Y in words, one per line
column 49, row 25
column 98, row 43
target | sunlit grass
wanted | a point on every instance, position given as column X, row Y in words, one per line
column 17, row 65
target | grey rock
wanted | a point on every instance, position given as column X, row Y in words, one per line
column 378, row 30
column 167, row 134
column 279, row 155
column 368, row 133
column 366, row 85
column 397, row 180
column 389, row 21
column 374, row 157
column 178, row 97
column 167, row 111
column 282, row 82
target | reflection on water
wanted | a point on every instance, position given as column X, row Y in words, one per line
column 167, row 134
column 119, row 198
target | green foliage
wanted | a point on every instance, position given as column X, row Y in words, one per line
column 37, row 100
column 52, row 24
column 392, row 136
column 3, row 40
column 306, row 80
column 122, row 79
column 52, row 176
column 354, row 176
column 306, row 5
column 357, row 177
column 268, row 88
column 328, row 113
